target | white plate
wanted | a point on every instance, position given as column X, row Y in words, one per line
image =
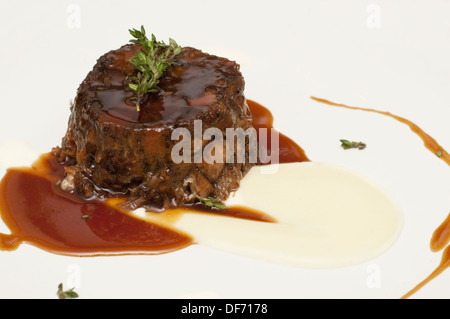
column 382, row 54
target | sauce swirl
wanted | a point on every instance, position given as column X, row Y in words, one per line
column 429, row 142
column 441, row 236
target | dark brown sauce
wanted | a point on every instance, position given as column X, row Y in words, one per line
column 39, row 213
column 289, row 151
column 235, row 211
column 441, row 236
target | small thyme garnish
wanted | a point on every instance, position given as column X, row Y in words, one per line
column 348, row 145
column 439, row 153
column 211, row 202
column 151, row 63
column 68, row 294
column 85, row 217
column 58, row 183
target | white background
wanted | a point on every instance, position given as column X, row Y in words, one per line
column 388, row 55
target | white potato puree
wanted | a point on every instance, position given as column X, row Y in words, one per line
column 327, row 216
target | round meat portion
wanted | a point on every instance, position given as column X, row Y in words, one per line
column 112, row 149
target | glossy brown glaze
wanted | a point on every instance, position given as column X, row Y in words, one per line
column 441, row 236
column 192, row 88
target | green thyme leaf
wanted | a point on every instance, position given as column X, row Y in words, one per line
column 212, row 202
column 348, row 145
column 151, row 63
column 68, row 294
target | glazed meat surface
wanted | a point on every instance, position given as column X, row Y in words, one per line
column 112, row 149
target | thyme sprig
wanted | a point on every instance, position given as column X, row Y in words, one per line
column 151, row 63
column 66, row 294
column 348, row 145
column 211, row 202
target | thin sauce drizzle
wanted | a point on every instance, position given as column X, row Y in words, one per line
column 429, row 142
column 441, row 236
column 445, row 263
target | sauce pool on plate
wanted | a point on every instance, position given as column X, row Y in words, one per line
column 38, row 212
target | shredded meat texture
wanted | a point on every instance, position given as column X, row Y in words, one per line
column 110, row 149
